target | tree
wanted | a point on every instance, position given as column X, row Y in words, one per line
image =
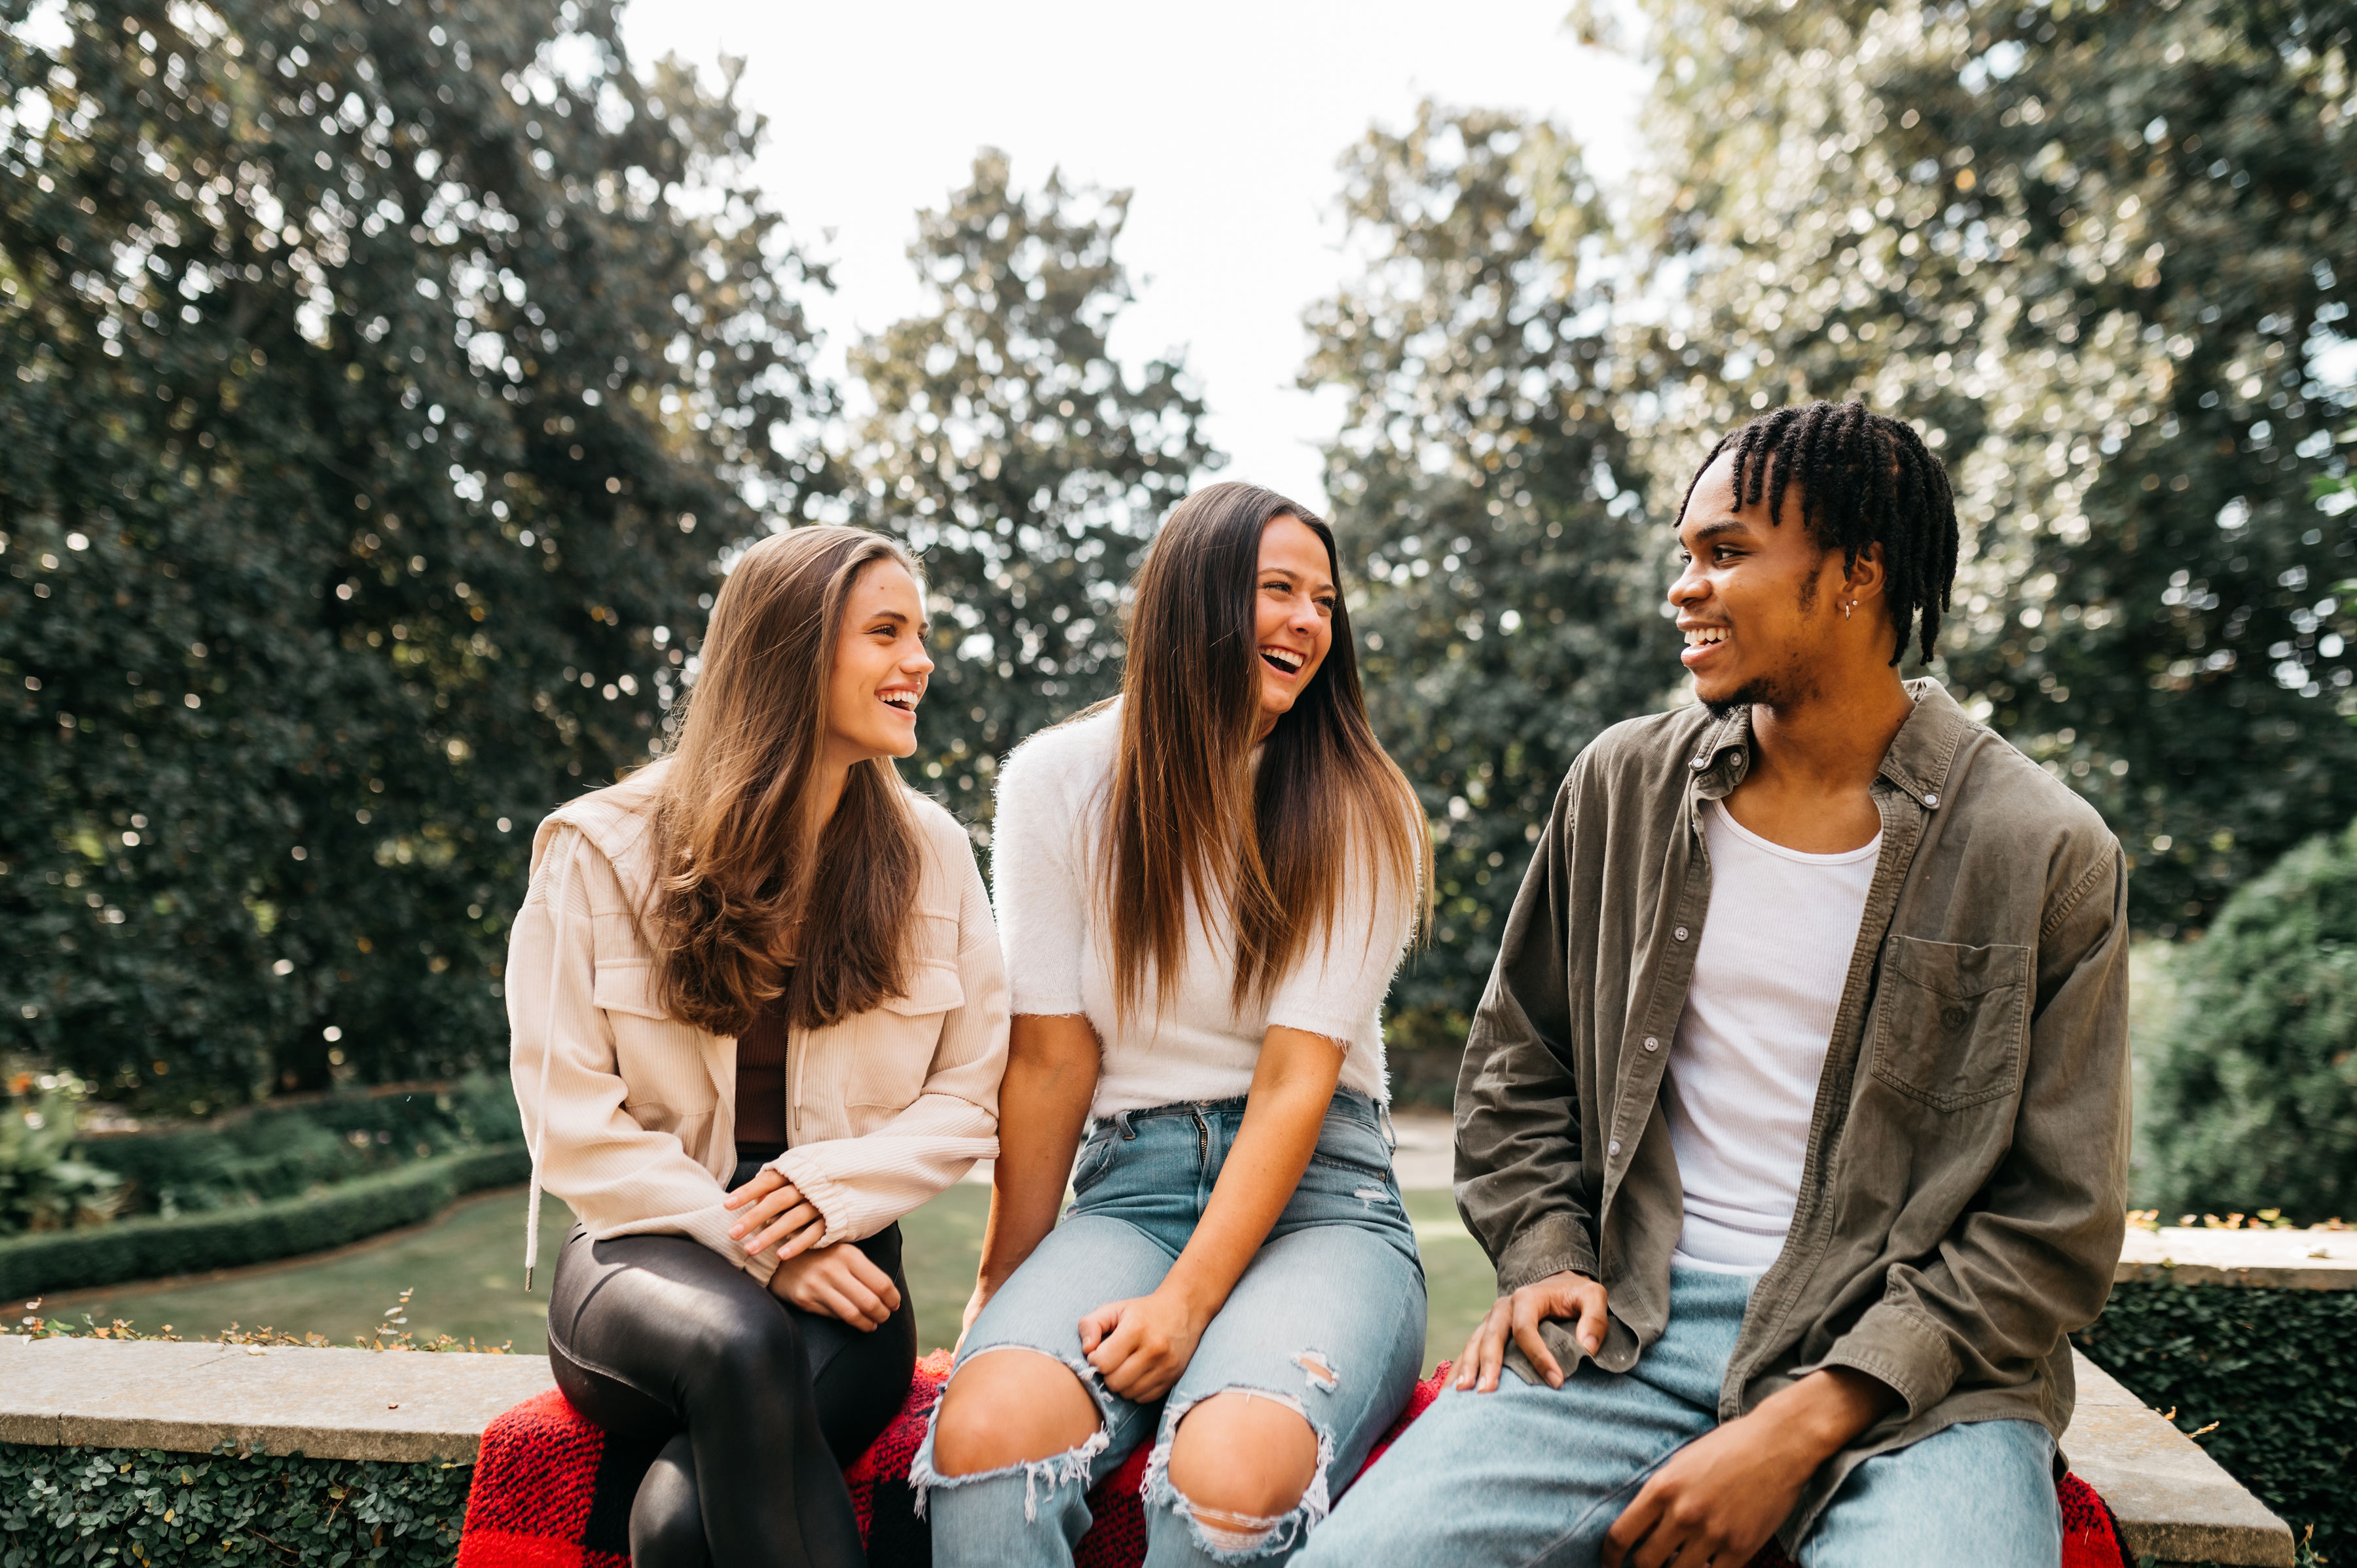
column 1488, row 501
column 386, row 377
column 1028, row 467
column 2099, row 251
column 2252, row 1103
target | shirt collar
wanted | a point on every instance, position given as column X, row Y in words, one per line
column 1916, row 763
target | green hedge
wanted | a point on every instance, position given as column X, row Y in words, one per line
column 2276, row 1370
column 101, row 1506
column 280, row 1149
column 350, row 1211
column 2249, row 1102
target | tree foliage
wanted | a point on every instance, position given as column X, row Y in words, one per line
column 1489, row 498
column 2101, row 253
column 2252, row 1101
column 1023, row 461
column 386, row 376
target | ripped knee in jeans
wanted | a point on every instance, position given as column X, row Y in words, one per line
column 1056, row 1450
column 1252, row 1468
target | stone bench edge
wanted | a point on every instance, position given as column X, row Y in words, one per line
column 2173, row 1500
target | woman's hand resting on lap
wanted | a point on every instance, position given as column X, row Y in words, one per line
column 840, row 1282
column 1141, row 1345
column 792, row 1222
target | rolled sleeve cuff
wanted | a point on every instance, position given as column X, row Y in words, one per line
column 833, row 1201
column 1556, row 1244
column 1902, row 1350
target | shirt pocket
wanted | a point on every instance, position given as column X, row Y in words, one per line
column 1953, row 1022
column 893, row 1046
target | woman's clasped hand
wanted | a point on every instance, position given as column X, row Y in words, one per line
column 841, row 1282
column 838, row 1281
column 774, row 1213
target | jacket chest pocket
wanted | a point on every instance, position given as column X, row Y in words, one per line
column 659, row 1060
column 893, row 1046
column 1953, row 1021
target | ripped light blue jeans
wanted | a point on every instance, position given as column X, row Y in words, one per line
column 1329, row 1318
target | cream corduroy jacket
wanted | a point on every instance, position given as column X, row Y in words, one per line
column 631, row 1114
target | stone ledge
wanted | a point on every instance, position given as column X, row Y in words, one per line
column 2264, row 1259
column 2173, row 1502
column 405, row 1406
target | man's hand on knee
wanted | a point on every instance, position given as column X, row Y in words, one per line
column 1718, row 1498
column 1567, row 1295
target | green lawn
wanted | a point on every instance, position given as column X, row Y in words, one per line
column 466, row 1270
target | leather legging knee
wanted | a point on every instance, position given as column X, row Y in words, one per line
column 757, row 1405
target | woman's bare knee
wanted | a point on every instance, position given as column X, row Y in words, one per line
column 1242, row 1458
column 1010, row 1407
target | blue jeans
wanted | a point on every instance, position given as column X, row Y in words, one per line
column 1328, row 1318
column 1530, row 1475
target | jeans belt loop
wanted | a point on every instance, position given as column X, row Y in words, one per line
column 1390, row 1132
column 1121, row 1119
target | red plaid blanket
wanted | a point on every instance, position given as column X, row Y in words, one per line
column 551, row 1491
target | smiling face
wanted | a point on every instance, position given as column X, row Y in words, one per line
column 1760, row 601
column 1293, row 617
column 878, row 676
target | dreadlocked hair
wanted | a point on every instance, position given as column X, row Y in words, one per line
column 1866, row 478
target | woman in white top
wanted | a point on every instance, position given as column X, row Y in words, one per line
column 1204, row 888
column 759, row 1013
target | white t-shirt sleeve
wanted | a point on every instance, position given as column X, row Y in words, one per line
column 1337, row 989
column 1037, row 892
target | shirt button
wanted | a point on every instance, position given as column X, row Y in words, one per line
column 1931, row 800
column 1652, row 1044
column 1680, row 933
column 1613, row 1148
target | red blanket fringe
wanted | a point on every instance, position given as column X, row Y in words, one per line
column 550, row 1491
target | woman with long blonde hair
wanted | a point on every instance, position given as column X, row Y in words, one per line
column 758, row 1015
column 1204, row 888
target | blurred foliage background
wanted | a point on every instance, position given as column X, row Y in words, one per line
column 384, row 380
column 390, row 386
column 1024, row 462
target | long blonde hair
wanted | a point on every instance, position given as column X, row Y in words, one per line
column 747, row 885
column 1187, row 811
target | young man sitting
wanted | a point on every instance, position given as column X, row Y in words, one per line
column 1795, row 1116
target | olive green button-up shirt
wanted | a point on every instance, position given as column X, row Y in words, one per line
column 1962, row 1202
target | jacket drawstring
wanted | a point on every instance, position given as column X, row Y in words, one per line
column 547, row 1053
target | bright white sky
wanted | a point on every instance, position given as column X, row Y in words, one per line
column 1225, row 118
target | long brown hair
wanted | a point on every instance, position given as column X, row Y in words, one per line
column 1186, row 812
column 751, row 900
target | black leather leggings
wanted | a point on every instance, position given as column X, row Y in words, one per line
column 757, row 1405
